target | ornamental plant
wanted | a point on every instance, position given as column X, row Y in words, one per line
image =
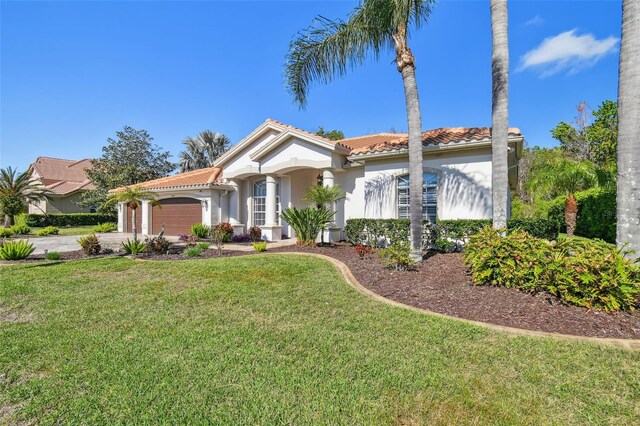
column 226, row 229
column 5, row 232
column 255, row 232
column 200, row 230
column 363, row 251
column 134, row 247
column 20, row 229
column 307, row 222
column 260, row 246
column 90, row 244
column 16, row 250
column 52, row 255
column 157, row 245
column 106, row 227
column 48, row 230
column 398, row 256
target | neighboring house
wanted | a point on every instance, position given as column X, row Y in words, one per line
column 66, row 179
column 271, row 168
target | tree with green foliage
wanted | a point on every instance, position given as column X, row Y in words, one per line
column 17, row 191
column 203, row 150
column 328, row 49
column 129, row 159
column 133, row 198
column 332, row 135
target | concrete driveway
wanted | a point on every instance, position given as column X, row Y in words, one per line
column 62, row 243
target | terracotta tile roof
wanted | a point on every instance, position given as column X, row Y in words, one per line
column 287, row 126
column 396, row 141
column 201, row 177
column 63, row 176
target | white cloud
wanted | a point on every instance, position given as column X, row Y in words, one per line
column 567, row 52
column 536, row 20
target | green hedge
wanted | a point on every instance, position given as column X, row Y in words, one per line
column 373, row 231
column 72, row 219
column 596, row 213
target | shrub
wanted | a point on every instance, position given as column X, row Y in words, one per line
column 20, row 229
column 106, row 227
column 226, row 229
column 596, row 213
column 445, row 235
column 200, row 230
column 193, row 251
column 52, row 255
column 398, row 256
column 72, row 219
column 307, row 222
column 134, row 247
column 242, row 238
column 189, row 239
column 157, row 245
column 20, row 219
column 16, row 250
column 260, row 246
column 255, row 233
column 203, row 246
column 5, row 232
column 48, row 230
column 592, row 274
column 363, row 251
column 217, row 237
column 90, row 244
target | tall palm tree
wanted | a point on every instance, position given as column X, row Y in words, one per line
column 17, row 191
column 202, row 151
column 133, row 197
column 499, row 112
column 328, row 48
column 628, row 182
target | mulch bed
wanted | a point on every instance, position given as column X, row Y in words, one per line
column 67, row 255
column 441, row 284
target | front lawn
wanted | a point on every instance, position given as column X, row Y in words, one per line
column 69, row 230
column 275, row 340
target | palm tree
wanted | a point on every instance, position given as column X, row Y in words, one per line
column 571, row 176
column 17, row 191
column 202, row 151
column 499, row 112
column 628, row 182
column 328, row 48
column 323, row 197
column 133, row 197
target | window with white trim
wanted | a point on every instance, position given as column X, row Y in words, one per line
column 260, row 202
column 429, row 196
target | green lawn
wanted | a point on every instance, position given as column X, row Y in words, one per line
column 71, row 230
column 275, row 340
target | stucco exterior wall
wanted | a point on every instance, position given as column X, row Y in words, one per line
column 464, row 185
column 58, row 205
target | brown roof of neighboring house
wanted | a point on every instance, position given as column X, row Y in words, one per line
column 62, row 176
column 201, row 177
column 396, row 141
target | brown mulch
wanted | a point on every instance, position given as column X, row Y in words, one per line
column 67, row 255
column 441, row 284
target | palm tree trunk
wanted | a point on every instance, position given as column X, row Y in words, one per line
column 406, row 66
column 570, row 214
column 628, row 182
column 499, row 112
column 134, row 228
column 8, row 220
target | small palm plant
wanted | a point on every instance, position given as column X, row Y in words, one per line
column 17, row 191
column 307, row 222
column 323, row 197
column 133, row 197
column 571, row 177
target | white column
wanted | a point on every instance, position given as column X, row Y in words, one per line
column 144, row 211
column 272, row 230
column 234, row 202
column 332, row 231
column 271, row 201
column 122, row 217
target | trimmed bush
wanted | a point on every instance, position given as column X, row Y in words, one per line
column 255, row 233
column 16, row 250
column 90, row 244
column 48, row 230
column 200, row 230
column 445, row 235
column 72, row 219
column 20, row 229
column 591, row 274
column 105, row 227
column 596, row 213
column 225, row 229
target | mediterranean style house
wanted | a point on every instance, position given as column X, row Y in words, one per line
column 271, row 168
column 66, row 179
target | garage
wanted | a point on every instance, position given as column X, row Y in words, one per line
column 138, row 219
column 177, row 215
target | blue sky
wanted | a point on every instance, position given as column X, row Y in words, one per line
column 72, row 73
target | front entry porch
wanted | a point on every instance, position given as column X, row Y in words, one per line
column 258, row 200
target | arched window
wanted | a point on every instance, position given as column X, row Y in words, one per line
column 260, row 202
column 429, row 196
